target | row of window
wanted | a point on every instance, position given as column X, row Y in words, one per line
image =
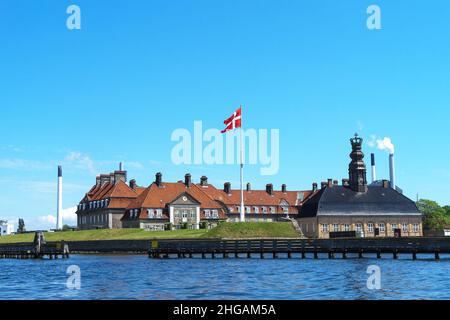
column 214, row 214
column 92, row 205
column 98, row 218
column 370, row 227
column 257, row 210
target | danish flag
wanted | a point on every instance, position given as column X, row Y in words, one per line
column 233, row 122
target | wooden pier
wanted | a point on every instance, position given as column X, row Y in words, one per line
column 37, row 250
column 300, row 248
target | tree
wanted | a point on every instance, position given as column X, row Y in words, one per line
column 447, row 210
column 21, row 228
column 66, row 227
column 435, row 217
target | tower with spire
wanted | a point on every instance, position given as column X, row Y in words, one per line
column 357, row 168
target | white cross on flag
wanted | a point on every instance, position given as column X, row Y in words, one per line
column 233, row 122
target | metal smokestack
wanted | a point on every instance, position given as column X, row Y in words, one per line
column 392, row 170
column 374, row 169
column 59, row 223
column 120, row 166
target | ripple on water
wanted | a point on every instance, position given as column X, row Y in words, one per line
column 137, row 277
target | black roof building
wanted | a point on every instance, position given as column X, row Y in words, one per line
column 355, row 197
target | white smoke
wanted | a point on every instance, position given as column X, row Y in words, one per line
column 386, row 144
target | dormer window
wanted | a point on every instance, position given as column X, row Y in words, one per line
column 264, row 209
column 256, row 210
column 273, row 210
column 159, row 213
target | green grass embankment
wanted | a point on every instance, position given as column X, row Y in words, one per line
column 225, row 230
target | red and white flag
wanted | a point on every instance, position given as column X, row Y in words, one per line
column 233, row 122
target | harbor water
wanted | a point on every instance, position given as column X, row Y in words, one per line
column 138, row 277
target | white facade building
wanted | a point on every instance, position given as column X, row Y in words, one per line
column 6, row 228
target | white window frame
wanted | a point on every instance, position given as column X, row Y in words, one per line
column 370, row 227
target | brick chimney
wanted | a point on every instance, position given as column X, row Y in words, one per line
column 330, row 183
column 283, row 188
column 386, row 184
column 314, row 186
column 249, row 186
column 269, row 188
column 120, row 176
column 133, row 184
column 227, row 187
column 187, row 180
column 158, row 179
column 204, row 181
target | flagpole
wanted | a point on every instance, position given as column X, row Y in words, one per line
column 242, row 170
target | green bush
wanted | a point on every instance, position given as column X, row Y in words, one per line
column 168, row 226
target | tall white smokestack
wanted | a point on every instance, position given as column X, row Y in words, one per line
column 392, row 170
column 59, row 223
column 374, row 170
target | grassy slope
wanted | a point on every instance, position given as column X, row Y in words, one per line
column 117, row 234
column 225, row 230
column 253, row 230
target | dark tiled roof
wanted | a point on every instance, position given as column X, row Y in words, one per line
column 339, row 200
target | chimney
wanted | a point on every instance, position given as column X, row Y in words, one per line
column 120, row 166
column 345, row 182
column 330, row 183
column 392, row 170
column 227, row 187
column 204, row 181
column 314, row 186
column 283, row 188
column 249, row 186
column 120, row 176
column 335, row 183
column 187, row 180
column 133, row 184
column 374, row 169
column 104, row 179
column 269, row 188
column 59, row 223
column 158, row 179
column 97, row 181
column 386, row 184
column 323, row 185
column 111, row 178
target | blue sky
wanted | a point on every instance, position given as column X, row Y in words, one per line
column 136, row 71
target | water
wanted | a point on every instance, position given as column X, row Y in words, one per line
column 138, row 277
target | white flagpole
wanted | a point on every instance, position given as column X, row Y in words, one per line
column 242, row 171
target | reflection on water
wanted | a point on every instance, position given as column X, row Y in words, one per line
column 137, row 277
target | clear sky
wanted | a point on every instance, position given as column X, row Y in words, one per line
column 138, row 70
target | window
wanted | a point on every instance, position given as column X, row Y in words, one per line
column 416, row 227
column 215, row 214
column 394, row 227
column 335, row 227
column 151, row 213
column 264, row 209
column 405, row 227
column 273, row 209
column 159, row 213
column 370, row 227
column 346, row 227
column 256, row 210
column 286, row 210
column 382, row 227
column 324, row 227
column 359, row 227
column 184, row 214
column 103, row 203
column 247, row 209
column 231, row 209
column 238, row 209
column 207, row 214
